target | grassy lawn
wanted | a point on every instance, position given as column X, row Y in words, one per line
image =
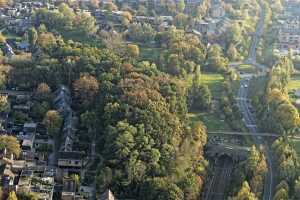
column 152, row 54
column 294, row 83
column 246, row 69
column 296, row 143
column 10, row 35
column 214, row 83
column 211, row 120
column 212, row 80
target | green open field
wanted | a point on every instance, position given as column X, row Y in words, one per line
column 9, row 35
column 212, row 80
column 296, row 143
column 294, row 83
column 246, row 68
column 150, row 53
column 214, row 83
column 211, row 120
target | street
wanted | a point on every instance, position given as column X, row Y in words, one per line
column 249, row 120
column 248, row 117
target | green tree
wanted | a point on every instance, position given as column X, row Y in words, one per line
column 232, row 53
column 12, row 196
column 68, row 15
column 124, row 142
column 4, row 104
column 199, row 132
column 46, row 40
column 32, row 36
column 200, row 97
column 53, row 122
column 281, row 194
column 11, row 145
column 141, row 32
column 111, row 6
column 257, row 184
column 234, row 34
column 104, row 179
column 2, row 37
column 43, row 92
column 39, row 109
column 180, row 5
column 76, row 178
column 160, row 189
column 297, row 189
column 133, row 51
column 95, row 4
column 215, row 59
column 27, row 196
column 126, row 18
column 245, row 193
column 288, row 116
column 86, row 88
column 89, row 120
column 85, row 24
column 253, row 160
column 181, row 20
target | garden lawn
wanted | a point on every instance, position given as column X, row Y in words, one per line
column 246, row 68
column 214, row 83
column 294, row 83
column 296, row 143
column 211, row 120
column 150, row 53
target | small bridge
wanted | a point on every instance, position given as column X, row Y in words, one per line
column 237, row 153
column 229, row 133
column 14, row 92
column 220, row 133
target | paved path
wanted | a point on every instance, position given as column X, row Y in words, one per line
column 250, row 123
column 249, row 118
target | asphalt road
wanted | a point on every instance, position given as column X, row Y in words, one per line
column 255, row 39
column 248, row 117
column 249, row 120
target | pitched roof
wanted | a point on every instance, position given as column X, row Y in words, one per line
column 107, row 195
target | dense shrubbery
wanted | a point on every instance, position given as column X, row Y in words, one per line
column 137, row 112
column 277, row 112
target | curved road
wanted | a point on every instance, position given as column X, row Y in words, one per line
column 248, row 117
column 250, row 123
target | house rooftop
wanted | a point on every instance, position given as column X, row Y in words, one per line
column 107, row 195
column 71, row 155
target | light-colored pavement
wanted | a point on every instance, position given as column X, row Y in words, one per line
column 248, row 116
column 250, row 123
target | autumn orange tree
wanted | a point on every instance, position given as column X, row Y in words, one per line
column 53, row 122
column 86, row 89
column 11, row 144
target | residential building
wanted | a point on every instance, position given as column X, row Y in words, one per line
column 37, row 180
column 107, row 195
column 289, row 35
column 72, row 160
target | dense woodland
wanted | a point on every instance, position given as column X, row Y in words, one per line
column 136, row 107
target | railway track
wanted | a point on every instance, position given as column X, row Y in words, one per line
column 221, row 179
